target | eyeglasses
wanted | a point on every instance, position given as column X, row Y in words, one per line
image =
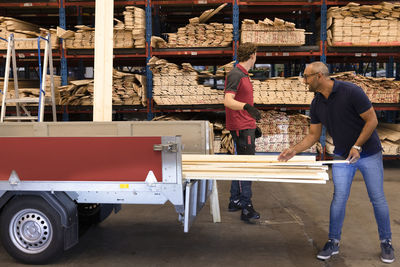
column 306, row 76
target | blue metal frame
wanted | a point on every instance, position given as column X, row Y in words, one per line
column 390, row 68
column 149, row 74
column 323, row 30
column 235, row 22
column 63, row 61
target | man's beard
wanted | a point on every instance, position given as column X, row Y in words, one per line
column 311, row 89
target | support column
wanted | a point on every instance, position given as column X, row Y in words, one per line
column 103, row 61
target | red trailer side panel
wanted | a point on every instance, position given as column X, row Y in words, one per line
column 80, row 158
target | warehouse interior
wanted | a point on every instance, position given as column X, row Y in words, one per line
column 167, row 61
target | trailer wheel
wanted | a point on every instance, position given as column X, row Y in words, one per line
column 31, row 230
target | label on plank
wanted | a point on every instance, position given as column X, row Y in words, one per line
column 193, row 53
column 28, row 4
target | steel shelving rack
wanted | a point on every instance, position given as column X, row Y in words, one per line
column 313, row 50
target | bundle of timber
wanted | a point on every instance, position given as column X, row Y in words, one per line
column 379, row 90
column 281, row 130
column 22, row 29
column 389, row 134
column 174, row 85
column 364, row 25
column 281, row 91
column 198, row 33
column 30, row 88
column 272, row 33
column 299, row 169
column 130, row 34
column 128, row 89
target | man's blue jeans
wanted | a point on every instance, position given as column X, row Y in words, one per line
column 371, row 168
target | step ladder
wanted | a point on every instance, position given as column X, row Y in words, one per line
column 20, row 102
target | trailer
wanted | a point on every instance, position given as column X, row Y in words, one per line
column 55, row 175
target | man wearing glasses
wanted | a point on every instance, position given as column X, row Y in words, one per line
column 347, row 113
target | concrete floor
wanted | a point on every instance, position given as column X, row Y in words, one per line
column 293, row 227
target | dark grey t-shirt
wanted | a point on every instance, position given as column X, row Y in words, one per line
column 340, row 114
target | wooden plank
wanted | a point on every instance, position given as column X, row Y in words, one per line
column 255, row 179
column 242, row 158
column 192, row 168
column 233, row 175
column 103, row 61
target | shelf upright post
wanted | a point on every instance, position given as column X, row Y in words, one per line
column 322, row 139
column 373, row 67
column 272, row 70
column 390, row 67
column 149, row 74
column 361, row 67
column 397, row 71
column 235, row 22
column 62, row 21
column 63, row 59
column 323, row 31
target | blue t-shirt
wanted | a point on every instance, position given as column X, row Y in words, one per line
column 340, row 114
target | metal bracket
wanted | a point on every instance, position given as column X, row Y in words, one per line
column 171, row 147
column 14, row 178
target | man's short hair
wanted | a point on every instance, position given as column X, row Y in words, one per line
column 245, row 51
column 320, row 67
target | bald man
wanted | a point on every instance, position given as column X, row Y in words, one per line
column 347, row 113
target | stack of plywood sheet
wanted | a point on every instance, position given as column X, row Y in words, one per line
column 127, row 34
column 280, row 131
column 128, row 89
column 281, row 91
column 22, row 29
column 174, row 85
column 379, row 90
column 299, row 169
column 364, row 25
column 272, row 33
column 30, row 88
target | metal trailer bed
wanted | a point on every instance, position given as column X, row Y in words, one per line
column 54, row 175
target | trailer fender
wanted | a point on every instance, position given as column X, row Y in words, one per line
column 61, row 203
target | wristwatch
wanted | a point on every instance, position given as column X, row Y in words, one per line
column 358, row 148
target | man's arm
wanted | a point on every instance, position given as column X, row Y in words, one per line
column 232, row 103
column 371, row 122
column 308, row 141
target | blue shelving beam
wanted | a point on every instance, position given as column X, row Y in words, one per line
column 323, row 30
column 63, row 60
column 235, row 22
column 322, row 139
column 149, row 74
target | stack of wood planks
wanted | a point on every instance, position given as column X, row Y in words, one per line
column 272, row 33
column 127, row 34
column 128, row 89
column 135, row 20
column 389, row 134
column 198, row 33
column 281, row 130
column 379, row 90
column 174, row 85
column 281, row 91
column 22, row 29
column 364, row 25
column 30, row 88
column 300, row 169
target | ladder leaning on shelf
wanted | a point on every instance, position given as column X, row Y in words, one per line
column 20, row 102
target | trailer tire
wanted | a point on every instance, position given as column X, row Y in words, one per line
column 31, row 230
